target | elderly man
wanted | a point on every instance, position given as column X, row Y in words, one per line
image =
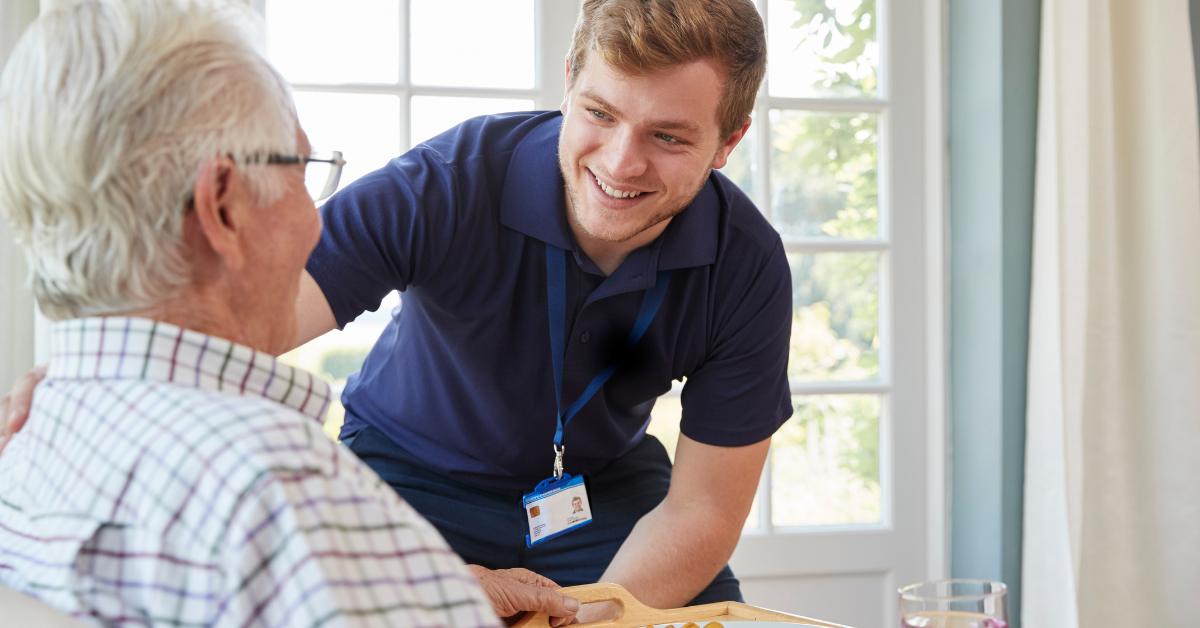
column 172, row 472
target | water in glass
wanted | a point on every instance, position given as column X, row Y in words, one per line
column 951, row 619
column 954, row 604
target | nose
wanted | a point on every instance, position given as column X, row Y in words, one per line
column 626, row 156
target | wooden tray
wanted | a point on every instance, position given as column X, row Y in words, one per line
column 634, row 614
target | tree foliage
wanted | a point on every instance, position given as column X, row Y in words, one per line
column 824, row 181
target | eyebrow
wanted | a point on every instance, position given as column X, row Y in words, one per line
column 668, row 125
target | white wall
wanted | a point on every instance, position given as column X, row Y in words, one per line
column 16, row 304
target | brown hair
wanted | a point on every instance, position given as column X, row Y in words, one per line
column 640, row 37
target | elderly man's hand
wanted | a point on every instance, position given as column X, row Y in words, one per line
column 512, row 591
column 14, row 407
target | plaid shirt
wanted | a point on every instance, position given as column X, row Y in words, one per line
column 170, row 478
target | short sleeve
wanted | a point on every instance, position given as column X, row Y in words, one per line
column 740, row 394
column 386, row 231
column 333, row 542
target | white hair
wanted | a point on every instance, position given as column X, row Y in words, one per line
column 108, row 109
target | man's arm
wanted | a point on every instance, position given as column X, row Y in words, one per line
column 314, row 316
column 676, row 550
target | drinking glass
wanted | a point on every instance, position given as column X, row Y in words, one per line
column 954, row 604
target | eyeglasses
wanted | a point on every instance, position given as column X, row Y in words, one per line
column 322, row 171
column 321, row 179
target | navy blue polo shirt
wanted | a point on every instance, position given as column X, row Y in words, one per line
column 462, row 376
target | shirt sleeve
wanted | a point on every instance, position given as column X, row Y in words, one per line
column 740, row 395
column 334, row 545
column 384, row 232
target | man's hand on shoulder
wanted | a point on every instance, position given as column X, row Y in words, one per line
column 512, row 591
column 15, row 406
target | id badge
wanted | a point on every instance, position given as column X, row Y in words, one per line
column 555, row 507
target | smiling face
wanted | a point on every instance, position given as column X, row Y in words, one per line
column 634, row 151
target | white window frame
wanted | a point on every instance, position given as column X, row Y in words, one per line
column 554, row 20
column 910, row 543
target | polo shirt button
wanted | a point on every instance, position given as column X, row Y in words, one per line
column 587, row 335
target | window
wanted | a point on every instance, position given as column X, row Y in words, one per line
column 811, row 162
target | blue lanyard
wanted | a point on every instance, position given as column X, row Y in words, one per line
column 556, row 293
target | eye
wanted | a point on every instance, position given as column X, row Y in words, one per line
column 670, row 139
column 600, row 114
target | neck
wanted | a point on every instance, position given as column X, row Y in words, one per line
column 201, row 312
column 609, row 255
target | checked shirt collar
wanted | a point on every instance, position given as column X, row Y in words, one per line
column 141, row 349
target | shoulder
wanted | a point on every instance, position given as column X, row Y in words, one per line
column 195, row 464
column 488, row 136
column 746, row 229
column 471, row 155
column 750, row 256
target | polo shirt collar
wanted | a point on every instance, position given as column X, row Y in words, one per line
column 533, row 202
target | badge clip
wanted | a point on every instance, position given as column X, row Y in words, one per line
column 558, row 465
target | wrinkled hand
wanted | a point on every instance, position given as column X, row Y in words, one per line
column 512, row 591
column 14, row 407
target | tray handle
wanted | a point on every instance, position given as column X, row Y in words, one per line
column 631, row 608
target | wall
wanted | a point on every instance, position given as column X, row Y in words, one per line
column 16, row 305
column 1194, row 6
column 993, row 70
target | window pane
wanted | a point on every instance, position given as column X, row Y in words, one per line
column 823, row 174
column 825, row 462
column 664, row 423
column 754, row 519
column 333, row 41
column 743, row 162
column 365, row 127
column 339, row 354
column 835, row 324
column 432, row 115
column 473, row 43
column 822, row 48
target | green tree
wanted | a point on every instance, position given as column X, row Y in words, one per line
column 825, row 184
column 841, row 33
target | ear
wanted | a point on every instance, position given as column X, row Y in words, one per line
column 730, row 143
column 221, row 203
column 566, row 87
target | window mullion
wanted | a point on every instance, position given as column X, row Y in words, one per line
column 406, row 79
column 766, row 519
column 840, row 105
column 762, row 144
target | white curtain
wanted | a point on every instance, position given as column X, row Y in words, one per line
column 1112, row 483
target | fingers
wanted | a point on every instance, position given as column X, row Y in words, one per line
column 528, row 577
column 4, row 403
column 559, row 607
column 513, row 591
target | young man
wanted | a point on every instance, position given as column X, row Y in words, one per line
column 173, row 473
column 508, row 227
column 606, row 223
